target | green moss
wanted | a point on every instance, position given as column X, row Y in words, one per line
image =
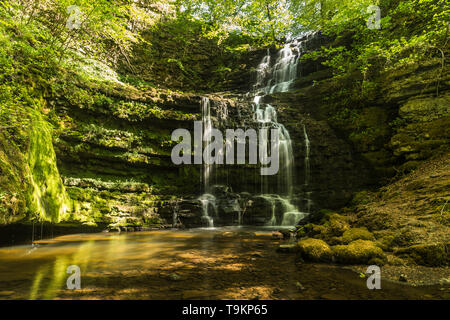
column 13, row 181
column 362, row 197
column 358, row 252
column 387, row 242
column 429, row 255
column 314, row 250
column 425, row 109
column 336, row 224
column 422, row 140
column 46, row 197
column 353, row 234
column 332, row 226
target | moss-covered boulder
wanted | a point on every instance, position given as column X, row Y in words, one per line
column 314, row 250
column 353, row 234
column 331, row 227
column 429, row 255
column 337, row 224
column 358, row 252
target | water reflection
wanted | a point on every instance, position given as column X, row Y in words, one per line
column 99, row 256
column 221, row 263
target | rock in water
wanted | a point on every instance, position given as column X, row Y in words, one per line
column 174, row 277
column 286, row 248
column 299, row 286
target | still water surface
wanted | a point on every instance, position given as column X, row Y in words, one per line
column 220, row 263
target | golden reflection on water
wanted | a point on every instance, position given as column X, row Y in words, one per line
column 98, row 255
column 172, row 264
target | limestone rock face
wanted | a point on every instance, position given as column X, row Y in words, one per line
column 426, row 109
column 113, row 142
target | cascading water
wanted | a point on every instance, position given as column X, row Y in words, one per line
column 207, row 129
column 279, row 78
column 175, row 208
column 307, row 148
column 307, row 169
column 273, row 219
column 275, row 78
column 207, row 200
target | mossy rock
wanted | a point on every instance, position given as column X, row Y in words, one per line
column 387, row 241
column 314, row 250
column 433, row 255
column 358, row 252
column 353, row 234
column 331, row 227
column 337, row 224
column 310, row 230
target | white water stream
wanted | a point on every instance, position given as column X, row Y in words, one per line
column 270, row 78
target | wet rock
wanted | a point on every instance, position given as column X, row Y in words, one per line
column 277, row 235
column 287, row 234
column 220, row 190
column 287, row 248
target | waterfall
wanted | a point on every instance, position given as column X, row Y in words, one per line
column 273, row 219
column 208, row 202
column 279, row 78
column 290, row 215
column 240, row 217
column 175, row 209
column 307, row 148
column 307, row 170
column 207, row 129
column 285, row 69
column 270, row 78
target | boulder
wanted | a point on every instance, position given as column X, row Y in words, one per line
column 429, row 255
column 358, row 252
column 314, row 250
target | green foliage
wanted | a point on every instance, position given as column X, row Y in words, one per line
column 265, row 21
column 410, row 31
